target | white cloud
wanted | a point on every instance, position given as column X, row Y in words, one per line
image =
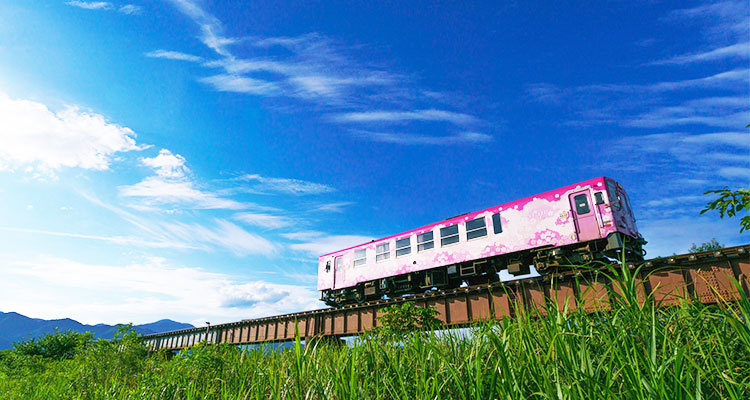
column 33, row 135
column 121, row 240
column 671, row 200
column 303, row 236
column 130, row 9
column 211, row 28
column 646, row 106
column 160, row 190
column 703, row 156
column 544, row 93
column 737, row 51
column 727, row 79
column 316, row 244
column 263, row 220
column 742, row 173
column 413, row 139
column 224, row 234
column 401, row 116
column 333, row 207
column 721, row 20
column 720, row 112
column 172, row 186
column 285, row 186
column 240, row 84
column 90, row 5
column 142, row 292
column 173, row 55
column 241, row 66
column 167, row 165
column 735, row 139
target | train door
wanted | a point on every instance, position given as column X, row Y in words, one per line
column 338, row 270
column 587, row 226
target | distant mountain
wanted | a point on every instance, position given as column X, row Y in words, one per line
column 15, row 327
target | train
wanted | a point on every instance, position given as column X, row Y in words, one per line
column 573, row 225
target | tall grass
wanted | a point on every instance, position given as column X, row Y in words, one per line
column 633, row 351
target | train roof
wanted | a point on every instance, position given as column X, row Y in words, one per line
column 456, row 219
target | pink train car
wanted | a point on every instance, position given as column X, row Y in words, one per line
column 575, row 224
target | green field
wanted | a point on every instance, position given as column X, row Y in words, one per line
column 690, row 351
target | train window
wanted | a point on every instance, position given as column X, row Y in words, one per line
column 403, row 247
column 497, row 224
column 476, row 228
column 448, row 235
column 360, row 257
column 582, row 204
column 425, row 241
column 382, row 252
column 598, row 198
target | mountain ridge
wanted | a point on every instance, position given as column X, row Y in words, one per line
column 15, row 327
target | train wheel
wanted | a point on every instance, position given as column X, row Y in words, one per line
column 359, row 297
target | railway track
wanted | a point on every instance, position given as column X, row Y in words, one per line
column 705, row 277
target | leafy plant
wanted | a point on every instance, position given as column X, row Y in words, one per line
column 400, row 320
column 708, row 246
column 730, row 203
column 57, row 346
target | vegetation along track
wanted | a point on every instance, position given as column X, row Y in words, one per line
column 708, row 277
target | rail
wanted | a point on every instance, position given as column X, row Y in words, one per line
column 705, row 277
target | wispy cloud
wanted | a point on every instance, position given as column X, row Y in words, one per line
column 121, row 240
column 414, row 139
column 91, row 5
column 211, row 28
column 722, row 20
column 742, row 173
column 727, row 112
column 172, row 186
column 173, row 55
column 130, row 9
column 338, row 207
column 544, row 93
column 127, row 9
column 649, row 105
column 284, row 185
column 725, row 152
column 35, row 136
column 317, row 244
column 223, row 234
column 220, row 234
column 676, row 200
column 401, row 116
column 263, row 220
column 727, row 79
column 737, row 50
column 240, row 84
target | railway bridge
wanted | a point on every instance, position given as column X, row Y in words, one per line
column 707, row 277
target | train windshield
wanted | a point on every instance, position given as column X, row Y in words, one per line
column 614, row 195
column 619, row 199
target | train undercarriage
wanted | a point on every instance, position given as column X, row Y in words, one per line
column 546, row 260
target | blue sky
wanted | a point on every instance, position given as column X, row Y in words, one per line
column 190, row 159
